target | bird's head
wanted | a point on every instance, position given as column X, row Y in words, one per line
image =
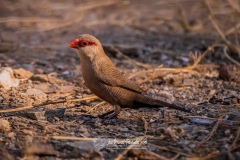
column 86, row 45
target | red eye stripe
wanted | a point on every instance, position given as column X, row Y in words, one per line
column 83, row 43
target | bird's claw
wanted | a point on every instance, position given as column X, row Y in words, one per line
column 114, row 115
column 105, row 114
column 108, row 115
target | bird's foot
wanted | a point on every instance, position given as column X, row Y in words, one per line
column 106, row 114
column 110, row 114
column 114, row 115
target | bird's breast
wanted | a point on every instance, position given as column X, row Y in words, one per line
column 93, row 82
column 88, row 72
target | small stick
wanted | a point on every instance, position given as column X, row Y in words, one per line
column 73, row 138
column 47, row 103
column 170, row 150
column 100, row 103
column 211, row 133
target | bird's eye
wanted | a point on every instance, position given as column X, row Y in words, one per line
column 85, row 43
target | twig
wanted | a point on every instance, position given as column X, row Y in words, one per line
column 175, row 157
column 178, row 70
column 170, row 150
column 146, row 71
column 96, row 4
column 234, row 143
column 229, row 44
column 210, row 48
column 235, row 5
column 156, row 155
column 159, row 68
column 145, row 124
column 230, row 58
column 172, row 70
column 233, row 29
column 25, row 19
column 211, row 133
column 184, row 22
column 100, row 103
column 47, row 103
column 207, row 157
column 72, row 138
column 236, row 34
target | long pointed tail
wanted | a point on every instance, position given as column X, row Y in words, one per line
column 154, row 103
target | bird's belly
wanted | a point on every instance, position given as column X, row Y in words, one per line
column 95, row 85
column 101, row 91
column 112, row 94
column 118, row 96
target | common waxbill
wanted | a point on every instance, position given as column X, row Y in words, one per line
column 107, row 82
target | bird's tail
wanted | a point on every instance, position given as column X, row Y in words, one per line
column 154, row 103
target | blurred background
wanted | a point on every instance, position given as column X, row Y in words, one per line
column 155, row 32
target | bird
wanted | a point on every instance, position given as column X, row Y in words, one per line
column 107, row 82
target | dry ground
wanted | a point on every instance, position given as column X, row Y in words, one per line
column 173, row 49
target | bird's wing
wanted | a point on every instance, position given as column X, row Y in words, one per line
column 110, row 75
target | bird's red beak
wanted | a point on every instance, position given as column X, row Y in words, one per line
column 73, row 44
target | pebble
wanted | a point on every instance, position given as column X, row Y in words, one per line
column 202, row 121
column 22, row 73
column 227, row 132
column 36, row 92
column 124, row 129
column 28, row 132
column 28, row 139
column 7, row 79
column 11, row 135
column 4, row 125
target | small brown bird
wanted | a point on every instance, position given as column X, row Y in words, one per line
column 107, row 82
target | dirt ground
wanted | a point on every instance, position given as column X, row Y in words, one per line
column 173, row 49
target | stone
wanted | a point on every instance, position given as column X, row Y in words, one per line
column 22, row 73
column 36, row 92
column 4, row 125
column 7, row 79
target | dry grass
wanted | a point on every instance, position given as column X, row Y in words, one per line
column 213, row 20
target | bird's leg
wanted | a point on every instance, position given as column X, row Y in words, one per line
column 114, row 113
column 106, row 114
